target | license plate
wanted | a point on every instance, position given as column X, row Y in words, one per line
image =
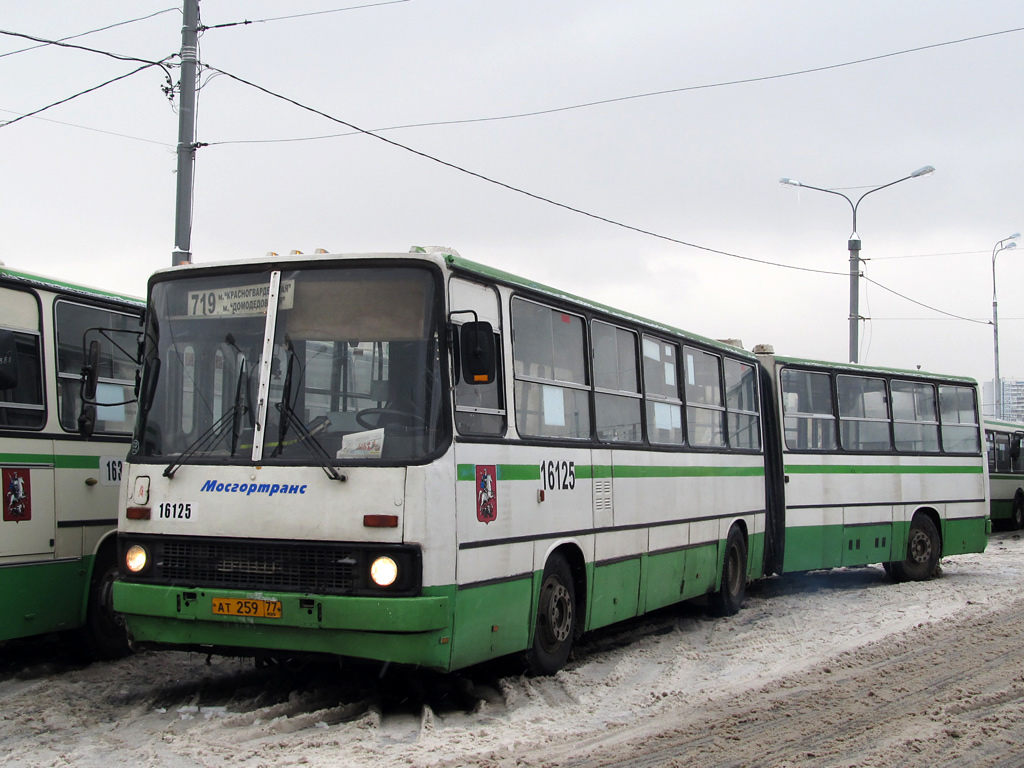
column 231, row 606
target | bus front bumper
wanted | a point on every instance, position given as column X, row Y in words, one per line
column 405, row 630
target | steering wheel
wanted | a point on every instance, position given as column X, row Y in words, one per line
column 414, row 418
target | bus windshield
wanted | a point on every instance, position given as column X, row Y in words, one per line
column 348, row 369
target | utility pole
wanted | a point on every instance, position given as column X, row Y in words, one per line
column 186, row 133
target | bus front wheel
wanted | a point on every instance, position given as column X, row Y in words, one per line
column 556, row 619
column 923, row 550
column 1018, row 511
column 105, row 635
column 729, row 598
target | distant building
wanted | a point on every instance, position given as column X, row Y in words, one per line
column 1013, row 399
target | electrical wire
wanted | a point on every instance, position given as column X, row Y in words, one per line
column 96, row 130
column 601, row 102
column 922, row 304
column 61, row 44
column 565, row 206
column 300, row 15
column 5, row 123
column 146, row 64
column 507, row 186
column 90, row 32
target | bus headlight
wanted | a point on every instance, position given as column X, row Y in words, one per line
column 384, row 571
column 135, row 558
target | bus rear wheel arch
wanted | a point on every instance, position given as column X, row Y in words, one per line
column 733, row 591
column 924, row 548
column 557, row 620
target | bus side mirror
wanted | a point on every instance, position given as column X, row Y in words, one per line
column 8, row 360
column 90, row 381
column 476, row 341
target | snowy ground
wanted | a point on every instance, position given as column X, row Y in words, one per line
column 623, row 685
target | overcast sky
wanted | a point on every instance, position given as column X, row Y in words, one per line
column 88, row 186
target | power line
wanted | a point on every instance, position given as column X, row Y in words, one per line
column 6, row 123
column 90, row 32
column 564, row 206
column 600, row 102
column 510, row 187
column 922, row 304
column 146, row 64
column 299, row 15
column 925, row 255
column 88, row 128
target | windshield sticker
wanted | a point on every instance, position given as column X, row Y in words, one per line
column 486, row 493
column 240, row 300
column 368, row 445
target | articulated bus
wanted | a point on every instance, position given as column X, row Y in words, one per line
column 1005, row 472
column 58, row 555
column 415, row 458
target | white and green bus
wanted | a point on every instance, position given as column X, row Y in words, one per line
column 1005, row 472
column 58, row 554
column 418, row 459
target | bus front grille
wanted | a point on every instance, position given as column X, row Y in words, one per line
column 338, row 568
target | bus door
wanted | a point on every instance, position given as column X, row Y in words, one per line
column 494, row 578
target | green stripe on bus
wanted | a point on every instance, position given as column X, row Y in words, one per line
column 874, row 469
column 637, row 471
column 77, row 462
column 26, row 458
column 467, row 472
column 60, row 462
column 505, row 472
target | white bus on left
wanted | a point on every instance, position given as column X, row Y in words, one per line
column 60, row 490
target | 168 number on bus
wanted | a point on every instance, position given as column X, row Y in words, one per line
column 558, row 475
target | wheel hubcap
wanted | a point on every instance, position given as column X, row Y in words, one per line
column 920, row 547
column 559, row 613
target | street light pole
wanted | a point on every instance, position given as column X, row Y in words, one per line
column 1003, row 245
column 854, row 246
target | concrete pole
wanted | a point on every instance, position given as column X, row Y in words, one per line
column 186, row 134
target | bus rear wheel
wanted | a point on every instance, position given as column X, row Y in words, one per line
column 729, row 598
column 923, row 550
column 556, row 619
column 1018, row 511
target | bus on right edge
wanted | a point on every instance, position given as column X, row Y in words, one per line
column 1005, row 472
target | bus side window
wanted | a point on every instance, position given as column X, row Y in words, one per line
column 915, row 417
column 705, row 412
column 742, row 407
column 617, row 381
column 21, row 382
column 551, row 388
column 808, row 417
column 959, row 415
column 116, row 368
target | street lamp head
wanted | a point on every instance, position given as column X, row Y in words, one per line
column 926, row 171
column 790, row 182
column 1014, row 236
column 1008, row 246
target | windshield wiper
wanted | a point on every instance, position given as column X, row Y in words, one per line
column 209, row 439
column 288, row 417
column 205, row 441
